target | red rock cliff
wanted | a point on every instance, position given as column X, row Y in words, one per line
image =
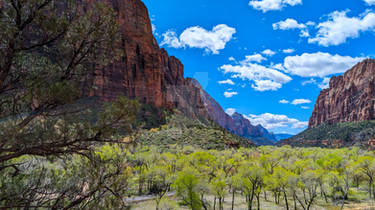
column 145, row 72
column 350, row 97
column 149, row 74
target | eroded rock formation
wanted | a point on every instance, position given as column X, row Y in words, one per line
column 349, row 98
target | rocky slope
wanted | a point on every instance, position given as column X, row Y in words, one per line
column 147, row 73
column 349, row 98
column 237, row 123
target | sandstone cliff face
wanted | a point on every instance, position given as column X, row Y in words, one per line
column 145, row 71
column 149, row 74
column 349, row 98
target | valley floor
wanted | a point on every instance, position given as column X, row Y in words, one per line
column 147, row 203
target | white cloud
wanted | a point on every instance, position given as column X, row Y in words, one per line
column 227, row 82
column 263, row 78
column 265, row 85
column 319, row 64
column 268, row 52
column 278, row 66
column 231, row 58
column 230, row 111
column 370, row 2
column 273, row 121
column 170, row 39
column 325, row 83
column 307, row 82
column 288, row 51
column 339, row 27
column 290, row 24
column 284, row 101
column 254, row 58
column 197, row 37
column 305, row 107
column 230, row 94
column 300, row 101
column 268, row 5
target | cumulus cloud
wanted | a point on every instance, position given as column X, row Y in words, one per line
column 265, row 85
column 268, row 52
column 325, row 83
column 254, row 58
column 288, row 51
column 227, row 82
column 269, row 5
column 284, row 101
column 319, row 64
column 370, row 2
column 291, row 24
column 339, row 27
column 231, row 58
column 274, row 121
column 197, row 37
column 230, row 94
column 308, row 82
column 305, row 107
column 300, row 101
column 263, row 78
column 230, row 111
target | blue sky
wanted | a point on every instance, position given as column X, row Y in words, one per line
column 266, row 59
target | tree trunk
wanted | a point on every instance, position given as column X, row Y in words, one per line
column 369, row 189
column 233, row 195
column 157, row 203
column 265, row 195
column 214, row 203
column 258, row 201
column 203, row 203
column 286, row 201
column 249, row 203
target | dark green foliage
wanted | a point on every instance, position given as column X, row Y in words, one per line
column 352, row 133
column 48, row 49
column 151, row 117
column 186, row 132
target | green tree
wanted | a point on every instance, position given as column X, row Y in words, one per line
column 218, row 186
column 252, row 182
column 186, row 186
column 367, row 166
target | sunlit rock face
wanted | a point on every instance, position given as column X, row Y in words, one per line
column 349, row 98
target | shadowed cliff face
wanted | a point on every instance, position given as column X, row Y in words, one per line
column 149, row 74
column 145, row 71
column 349, row 98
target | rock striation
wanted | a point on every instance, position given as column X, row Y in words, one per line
column 147, row 73
column 349, row 98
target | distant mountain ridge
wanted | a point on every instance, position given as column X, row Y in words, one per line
column 282, row 136
column 236, row 123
